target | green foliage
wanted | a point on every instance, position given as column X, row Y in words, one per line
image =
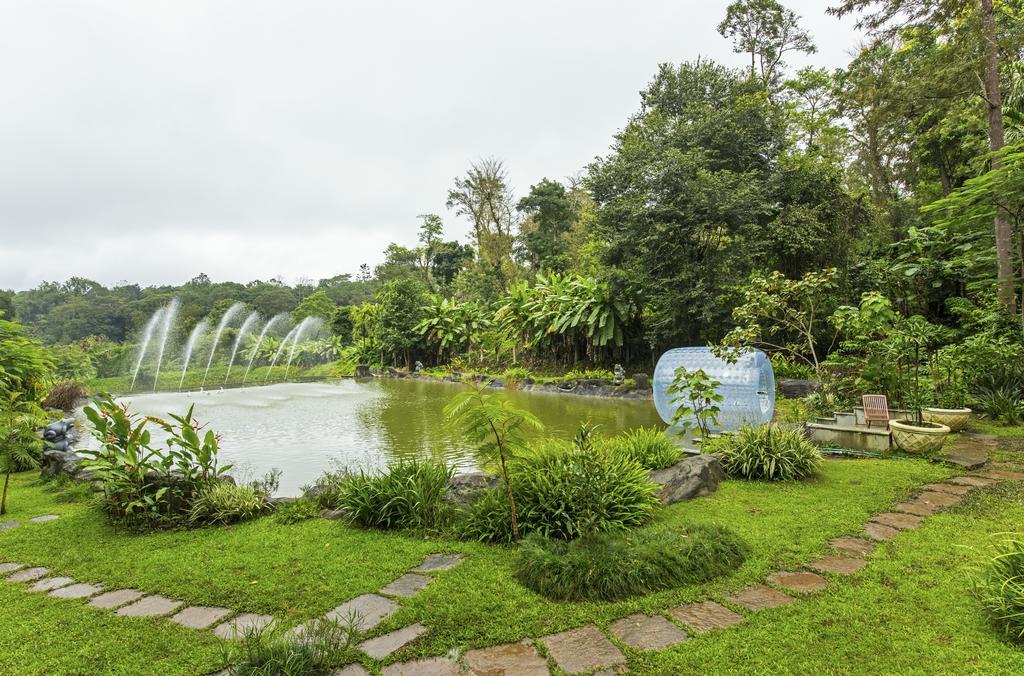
column 646, row 446
column 697, row 398
column 316, row 304
column 321, row 647
column 223, row 502
column 1000, row 392
column 73, row 362
column 408, row 495
column 25, row 366
column 20, row 444
column 999, row 587
column 589, row 374
column 550, row 214
column 516, row 375
column 400, row 312
column 614, row 566
column 768, row 452
column 296, row 511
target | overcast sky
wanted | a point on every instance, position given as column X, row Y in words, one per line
column 151, row 141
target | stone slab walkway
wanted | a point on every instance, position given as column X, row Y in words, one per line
column 583, row 650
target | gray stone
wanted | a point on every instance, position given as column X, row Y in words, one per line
column 77, row 591
column 760, row 597
column 1005, row 475
column 793, row 388
column 952, row 489
column 706, row 616
column 51, row 583
column 45, row 518
column 62, row 462
column 382, row 646
column 363, row 371
column 642, row 380
column 840, row 565
column 691, row 477
column 351, row 670
column 150, row 606
column 880, row 532
column 647, row 632
column 365, row 612
column 238, row 626
column 335, row 514
column 29, row 574
column 114, row 599
column 939, row 499
column 803, row 582
column 406, row 586
column 511, row 659
column 430, row 666
column 200, row 617
column 916, row 508
column 897, row 520
column 854, row 546
column 464, row 489
column 974, row 481
column 7, row 525
column 438, row 562
column 583, row 650
column 9, row 567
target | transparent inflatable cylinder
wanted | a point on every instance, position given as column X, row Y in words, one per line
column 747, row 386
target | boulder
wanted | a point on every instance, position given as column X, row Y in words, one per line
column 794, row 389
column 363, row 371
column 464, row 489
column 335, row 514
column 642, row 380
column 395, row 373
column 57, row 462
column 691, row 477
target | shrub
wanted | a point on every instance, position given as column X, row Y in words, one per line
column 322, row 646
column 613, row 566
column 999, row 587
column 223, row 502
column 515, row 375
column 288, row 513
column 647, row 446
column 1000, row 393
column 766, row 452
column 589, row 374
column 410, row 494
column 65, row 395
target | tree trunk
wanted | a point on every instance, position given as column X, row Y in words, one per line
column 3, row 500
column 996, row 140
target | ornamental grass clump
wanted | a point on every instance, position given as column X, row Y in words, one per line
column 999, row 587
column 318, row 649
column 614, row 566
column 409, row 495
column 223, row 502
column 767, row 452
column 647, row 446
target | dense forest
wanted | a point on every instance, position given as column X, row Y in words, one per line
column 810, row 212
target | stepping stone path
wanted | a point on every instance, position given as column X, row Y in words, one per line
column 77, row 591
column 939, row 499
column 852, row 546
column 431, row 666
column 45, row 518
column 7, row 525
column 200, row 617
column 9, row 567
column 382, row 646
column 647, row 632
column 952, row 489
column 51, row 583
column 916, row 508
column 435, row 563
column 760, row 597
column 1005, row 476
column 518, row 659
column 975, row 481
column 839, row 565
column 237, row 627
column 706, row 616
column 114, row 599
column 365, row 612
column 583, row 650
column 880, row 532
column 406, row 586
column 28, row 574
column 351, row 670
column 897, row 521
column 805, row 583
column 151, row 606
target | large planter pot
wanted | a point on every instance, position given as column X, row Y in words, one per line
column 955, row 419
column 919, row 439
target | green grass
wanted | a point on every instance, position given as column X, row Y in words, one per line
column 303, row 570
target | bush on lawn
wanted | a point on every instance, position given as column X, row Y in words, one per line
column 999, row 587
column 648, row 446
column 409, row 495
column 288, row 513
column 614, row 566
column 321, row 647
column 223, row 502
column 766, row 452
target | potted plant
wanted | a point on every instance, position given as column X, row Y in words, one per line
column 921, row 436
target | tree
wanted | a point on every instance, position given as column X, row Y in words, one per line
column 484, row 197
column 400, row 310
column 497, row 428
column 316, row 304
column 550, row 215
column 767, row 31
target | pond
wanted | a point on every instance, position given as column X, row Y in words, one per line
column 304, row 429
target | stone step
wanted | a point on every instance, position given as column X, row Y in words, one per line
column 647, row 632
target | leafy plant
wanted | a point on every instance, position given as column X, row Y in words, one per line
column 999, row 587
column 20, row 444
column 697, row 397
column 589, row 374
column 294, row 511
column 516, row 375
column 223, row 502
column 647, row 446
column 321, row 646
column 767, row 452
column 497, row 429
column 408, row 495
column 614, row 566
column 1000, row 392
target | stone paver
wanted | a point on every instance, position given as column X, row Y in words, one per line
column 511, row 659
column 351, row 670
column 880, row 532
column 44, row 518
column 975, row 481
column 647, row 632
column 952, row 489
column 29, row 574
column 365, row 612
column 382, row 646
column 50, row 583
column 803, row 582
column 438, row 562
column 200, row 617
column 431, row 666
column 583, row 650
column 916, row 508
column 9, row 567
column 898, row 521
column 840, row 565
column 406, row 586
column 939, row 499
column 969, row 456
column 77, row 591
column 7, row 525
column 760, row 597
column 150, row 606
column 706, row 616
column 114, row 599
column 1004, row 476
column 854, row 546
column 236, row 627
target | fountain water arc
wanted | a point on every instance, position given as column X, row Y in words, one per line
column 246, row 326
column 147, row 335
column 170, row 312
column 306, row 323
column 225, row 318
column 277, row 355
column 259, row 341
column 197, row 331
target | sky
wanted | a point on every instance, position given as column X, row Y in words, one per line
column 151, row 141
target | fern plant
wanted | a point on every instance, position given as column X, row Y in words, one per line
column 20, row 445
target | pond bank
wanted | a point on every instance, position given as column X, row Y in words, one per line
column 585, row 387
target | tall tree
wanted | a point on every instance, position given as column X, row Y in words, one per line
column 550, row 214
column 485, row 198
column 767, row 31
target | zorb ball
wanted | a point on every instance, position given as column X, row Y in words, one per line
column 747, row 385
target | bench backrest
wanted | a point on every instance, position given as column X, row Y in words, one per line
column 876, row 407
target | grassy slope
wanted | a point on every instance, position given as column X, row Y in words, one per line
column 304, row 570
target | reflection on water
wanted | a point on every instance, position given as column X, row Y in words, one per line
column 307, row 428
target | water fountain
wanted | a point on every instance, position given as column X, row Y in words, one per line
column 277, row 355
column 170, row 312
column 147, row 335
column 245, row 327
column 259, row 341
column 197, row 331
column 225, row 318
column 303, row 327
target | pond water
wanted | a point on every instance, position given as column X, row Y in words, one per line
column 305, row 429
